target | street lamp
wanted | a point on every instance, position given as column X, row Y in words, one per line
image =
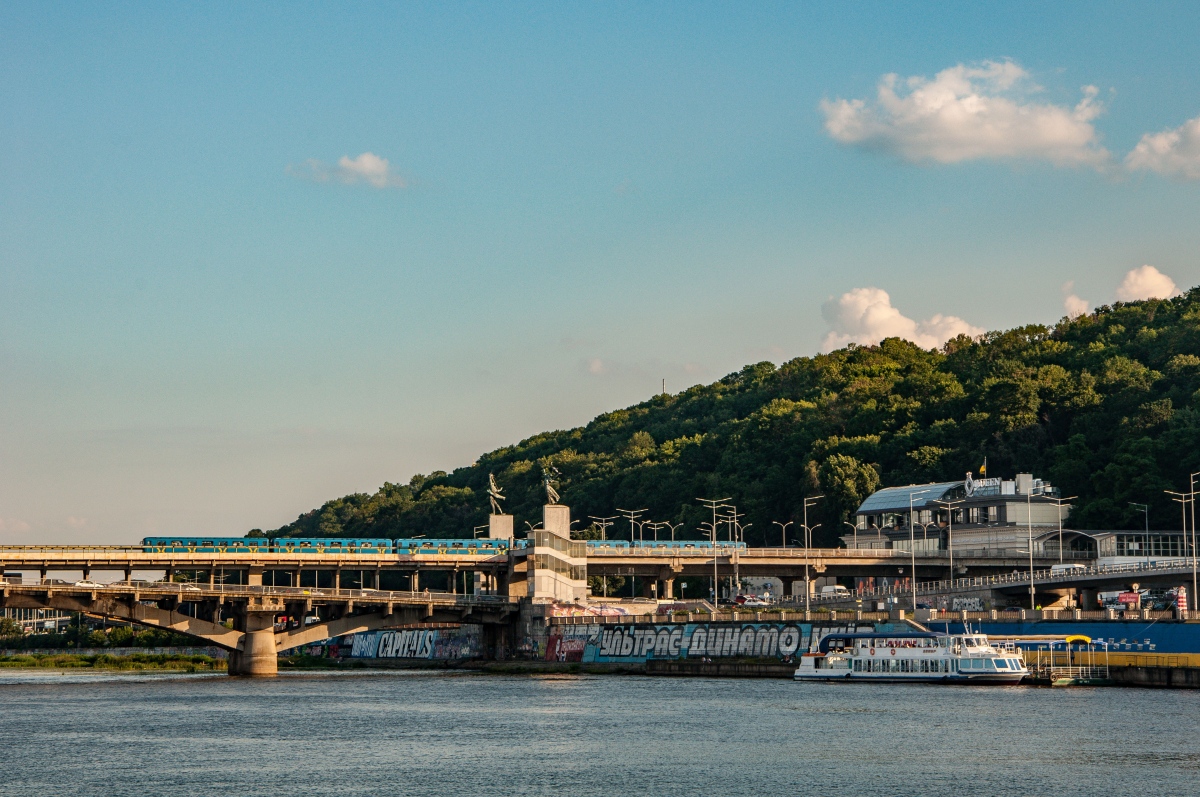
column 853, row 528
column 783, row 530
column 1146, row 512
column 667, row 523
column 1059, row 502
column 912, row 543
column 603, row 523
column 631, row 515
column 808, row 544
column 714, row 504
column 949, row 505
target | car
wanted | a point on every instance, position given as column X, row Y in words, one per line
column 87, row 582
column 189, row 588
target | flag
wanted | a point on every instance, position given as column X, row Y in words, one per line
column 983, row 467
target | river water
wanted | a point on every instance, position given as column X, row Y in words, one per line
column 401, row 733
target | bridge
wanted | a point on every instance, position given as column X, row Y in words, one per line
column 255, row 623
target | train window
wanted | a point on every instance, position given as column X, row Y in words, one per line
column 177, row 542
column 305, row 544
column 207, row 542
column 335, row 544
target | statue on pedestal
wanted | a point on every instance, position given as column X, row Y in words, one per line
column 549, row 475
column 495, row 495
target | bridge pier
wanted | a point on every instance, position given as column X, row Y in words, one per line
column 257, row 654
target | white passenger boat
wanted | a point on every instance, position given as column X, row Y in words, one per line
column 911, row 656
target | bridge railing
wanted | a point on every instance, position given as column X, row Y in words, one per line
column 1043, row 576
column 193, row 590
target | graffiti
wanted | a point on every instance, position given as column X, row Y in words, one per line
column 419, row 643
column 967, row 605
column 639, row 643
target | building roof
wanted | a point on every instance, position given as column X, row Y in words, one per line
column 895, row 499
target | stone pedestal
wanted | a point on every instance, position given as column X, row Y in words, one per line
column 556, row 518
column 500, row 527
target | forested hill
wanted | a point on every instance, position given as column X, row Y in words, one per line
column 1105, row 406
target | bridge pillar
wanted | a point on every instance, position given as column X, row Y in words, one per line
column 669, row 589
column 254, row 576
column 257, row 654
column 416, row 581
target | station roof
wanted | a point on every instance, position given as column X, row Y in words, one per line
column 894, row 499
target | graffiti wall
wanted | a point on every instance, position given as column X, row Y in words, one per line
column 464, row 642
column 637, row 643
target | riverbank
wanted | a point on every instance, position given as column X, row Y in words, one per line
column 106, row 661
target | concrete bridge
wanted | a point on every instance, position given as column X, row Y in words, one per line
column 255, row 623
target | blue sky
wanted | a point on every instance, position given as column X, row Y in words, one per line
column 219, row 307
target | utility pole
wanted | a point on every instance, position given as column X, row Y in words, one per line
column 1059, row 502
column 949, row 505
column 783, row 530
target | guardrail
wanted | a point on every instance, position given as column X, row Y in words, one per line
column 1045, row 576
column 196, row 590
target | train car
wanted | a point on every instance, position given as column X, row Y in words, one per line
column 205, row 544
column 686, row 545
column 331, row 545
column 437, row 547
column 608, row 546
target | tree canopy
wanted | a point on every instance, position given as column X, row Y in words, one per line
column 1104, row 405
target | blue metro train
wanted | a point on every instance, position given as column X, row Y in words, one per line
column 403, row 547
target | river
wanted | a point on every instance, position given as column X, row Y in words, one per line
column 401, row 733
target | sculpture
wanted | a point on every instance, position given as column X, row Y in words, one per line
column 549, row 474
column 495, row 495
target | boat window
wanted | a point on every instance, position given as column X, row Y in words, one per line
column 1001, row 664
column 969, row 641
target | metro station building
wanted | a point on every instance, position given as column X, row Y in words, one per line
column 980, row 515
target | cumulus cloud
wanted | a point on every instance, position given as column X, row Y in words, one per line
column 866, row 316
column 969, row 113
column 1173, row 153
column 1074, row 305
column 366, row 168
column 1146, row 282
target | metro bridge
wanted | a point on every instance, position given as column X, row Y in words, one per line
column 487, row 572
column 245, row 620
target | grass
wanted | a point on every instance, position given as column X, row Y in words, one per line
column 104, row 661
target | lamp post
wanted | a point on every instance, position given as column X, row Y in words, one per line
column 667, row 523
column 912, row 544
column 1059, row 503
column 854, row 529
column 603, row 523
column 808, row 544
column 949, row 505
column 1146, row 512
column 1195, row 597
column 714, row 504
column 1029, row 524
column 631, row 515
column 783, row 530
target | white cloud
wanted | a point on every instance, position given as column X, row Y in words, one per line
column 15, row 525
column 866, row 316
column 1174, row 153
column 969, row 113
column 365, row 168
column 1074, row 305
column 595, row 366
column 1146, row 282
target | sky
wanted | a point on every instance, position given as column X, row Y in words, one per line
column 257, row 256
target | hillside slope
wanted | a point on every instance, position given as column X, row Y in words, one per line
column 1104, row 405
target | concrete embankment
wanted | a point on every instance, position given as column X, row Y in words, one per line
column 1163, row 677
column 720, row 669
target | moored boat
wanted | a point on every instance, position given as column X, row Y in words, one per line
column 911, row 656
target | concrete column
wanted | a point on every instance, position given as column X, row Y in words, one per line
column 254, row 577
column 337, row 579
column 212, row 578
column 42, row 574
column 669, row 589
column 257, row 656
column 128, row 574
column 168, row 573
column 87, row 573
column 788, row 589
column 453, row 582
column 416, row 581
